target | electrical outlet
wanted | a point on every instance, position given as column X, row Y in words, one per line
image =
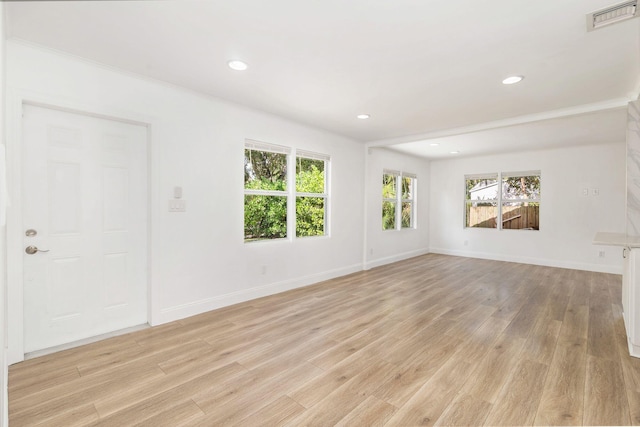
column 177, row 205
column 595, row 192
column 601, row 254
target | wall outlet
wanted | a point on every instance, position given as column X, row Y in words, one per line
column 595, row 191
column 601, row 254
column 177, row 205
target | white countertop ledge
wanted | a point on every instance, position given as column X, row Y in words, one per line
column 616, row 239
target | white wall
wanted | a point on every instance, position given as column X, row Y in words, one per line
column 199, row 259
column 385, row 246
column 4, row 407
column 568, row 220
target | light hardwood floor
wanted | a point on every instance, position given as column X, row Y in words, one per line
column 434, row 340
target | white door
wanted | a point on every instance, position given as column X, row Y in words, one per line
column 85, row 204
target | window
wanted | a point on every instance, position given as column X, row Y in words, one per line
column 389, row 201
column 277, row 202
column 508, row 201
column 482, row 201
column 265, row 192
column 521, row 201
column 311, row 194
column 398, row 200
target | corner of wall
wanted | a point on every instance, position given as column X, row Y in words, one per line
column 394, row 258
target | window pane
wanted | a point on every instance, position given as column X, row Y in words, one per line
column 264, row 170
column 265, row 217
column 388, row 187
column 407, row 188
column 309, row 175
column 481, row 214
column 388, row 215
column 520, row 216
column 310, row 212
column 406, row 214
column 482, row 189
column 521, row 187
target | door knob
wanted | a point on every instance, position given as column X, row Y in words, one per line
column 34, row 250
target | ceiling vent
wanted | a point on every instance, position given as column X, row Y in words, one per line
column 612, row 14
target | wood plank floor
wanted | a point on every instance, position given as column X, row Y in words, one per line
column 434, row 340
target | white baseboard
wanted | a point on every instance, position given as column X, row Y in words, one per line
column 597, row 268
column 170, row 314
column 395, row 258
column 85, row 341
column 634, row 350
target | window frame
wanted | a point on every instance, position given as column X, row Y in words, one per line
column 399, row 200
column 501, row 200
column 291, row 194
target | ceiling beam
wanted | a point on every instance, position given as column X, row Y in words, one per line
column 512, row 121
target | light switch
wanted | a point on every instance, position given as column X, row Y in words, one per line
column 177, row 205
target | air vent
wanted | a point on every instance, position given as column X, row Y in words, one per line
column 612, row 14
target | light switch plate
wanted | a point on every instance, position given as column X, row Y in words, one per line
column 177, row 205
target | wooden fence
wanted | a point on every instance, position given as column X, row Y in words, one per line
column 513, row 217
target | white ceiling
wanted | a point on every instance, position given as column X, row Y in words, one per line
column 419, row 68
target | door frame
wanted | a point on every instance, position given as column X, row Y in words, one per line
column 16, row 99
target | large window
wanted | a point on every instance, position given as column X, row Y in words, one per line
column 508, row 201
column 281, row 198
column 398, row 200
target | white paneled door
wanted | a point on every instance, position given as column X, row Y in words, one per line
column 85, row 226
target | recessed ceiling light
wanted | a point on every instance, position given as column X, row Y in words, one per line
column 511, row 80
column 363, row 116
column 237, row 65
column 454, row 152
column 434, row 144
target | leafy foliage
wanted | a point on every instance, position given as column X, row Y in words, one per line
column 521, row 187
column 309, row 216
column 264, row 167
column 388, row 186
column 389, row 202
column 388, row 215
column 405, row 219
column 310, row 211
